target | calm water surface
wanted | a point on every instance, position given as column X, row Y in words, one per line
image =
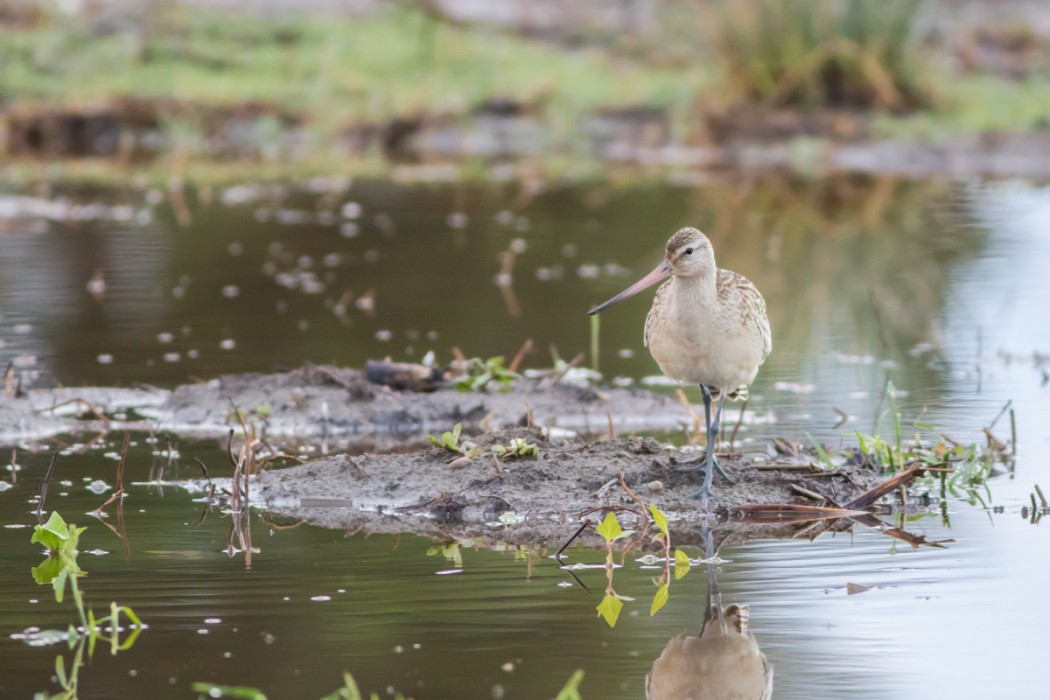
column 940, row 288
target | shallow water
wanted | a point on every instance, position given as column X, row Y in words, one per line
column 940, row 288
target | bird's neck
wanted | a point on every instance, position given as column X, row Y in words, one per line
column 691, row 292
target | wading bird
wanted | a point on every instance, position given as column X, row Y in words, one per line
column 706, row 326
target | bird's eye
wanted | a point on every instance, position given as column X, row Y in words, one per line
column 688, row 251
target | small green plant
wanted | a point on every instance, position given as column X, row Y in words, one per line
column 518, row 447
column 60, row 570
column 571, row 690
column 450, row 441
column 349, row 691
column 480, row 373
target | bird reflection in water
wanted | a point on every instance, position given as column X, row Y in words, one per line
column 722, row 663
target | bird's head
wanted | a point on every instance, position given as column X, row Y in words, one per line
column 689, row 253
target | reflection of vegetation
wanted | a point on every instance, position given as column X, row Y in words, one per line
column 870, row 249
column 848, row 53
column 571, row 690
column 612, row 603
column 59, row 570
column 349, row 691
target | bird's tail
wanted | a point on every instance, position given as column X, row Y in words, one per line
column 739, row 393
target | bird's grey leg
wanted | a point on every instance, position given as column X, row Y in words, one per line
column 714, row 597
column 711, row 443
column 704, row 493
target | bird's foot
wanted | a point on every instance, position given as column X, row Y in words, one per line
column 701, row 465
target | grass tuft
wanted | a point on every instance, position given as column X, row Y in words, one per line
column 857, row 54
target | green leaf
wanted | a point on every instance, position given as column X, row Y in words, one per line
column 349, row 691
column 47, row 570
column 860, row 441
column 610, row 608
column 60, row 671
column 660, row 599
column 660, row 519
column 571, row 690
column 610, row 528
column 681, row 564
column 53, row 533
column 59, row 583
column 821, row 452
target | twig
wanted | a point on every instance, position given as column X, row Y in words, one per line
column 811, row 495
column 843, row 417
column 641, row 504
column 43, row 489
column 1042, row 498
column 90, row 407
column 569, row 365
column 526, row 348
column 732, row 436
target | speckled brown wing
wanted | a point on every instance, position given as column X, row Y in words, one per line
column 740, row 293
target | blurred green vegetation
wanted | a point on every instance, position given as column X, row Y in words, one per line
column 824, row 53
column 333, row 69
column 295, row 84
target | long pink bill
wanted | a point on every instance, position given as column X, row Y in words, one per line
column 660, row 273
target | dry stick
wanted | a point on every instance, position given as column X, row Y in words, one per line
column 811, row 495
column 204, row 469
column 120, row 476
column 526, row 348
column 9, row 375
column 98, row 414
column 732, row 436
column 641, row 504
column 843, row 417
column 683, row 401
column 1042, row 498
column 999, row 415
column 572, row 363
column 43, row 489
column 1013, row 432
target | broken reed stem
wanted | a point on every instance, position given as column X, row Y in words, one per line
column 732, row 436
column 1042, row 498
column 811, row 495
column 1013, row 433
column 634, row 497
column 526, row 348
column 572, row 363
column 43, row 489
column 90, row 407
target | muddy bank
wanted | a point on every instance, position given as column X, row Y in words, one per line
column 501, row 130
column 335, row 406
column 541, row 499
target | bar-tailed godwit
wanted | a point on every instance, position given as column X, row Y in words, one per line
column 707, row 326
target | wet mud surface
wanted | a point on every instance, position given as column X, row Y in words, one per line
column 339, row 406
column 542, row 499
column 384, row 476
